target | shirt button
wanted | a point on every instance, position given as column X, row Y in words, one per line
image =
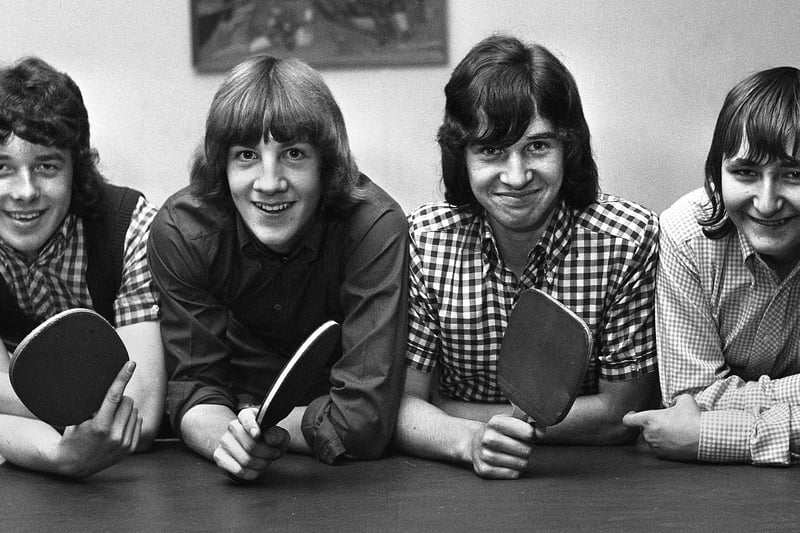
column 550, row 277
column 277, row 307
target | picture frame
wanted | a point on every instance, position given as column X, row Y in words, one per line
column 323, row 33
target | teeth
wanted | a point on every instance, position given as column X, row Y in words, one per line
column 25, row 216
column 272, row 208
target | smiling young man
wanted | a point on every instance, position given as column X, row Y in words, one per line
column 68, row 239
column 278, row 233
column 523, row 210
column 728, row 297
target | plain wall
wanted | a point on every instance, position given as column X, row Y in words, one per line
column 652, row 75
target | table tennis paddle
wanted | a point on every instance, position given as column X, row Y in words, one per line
column 543, row 357
column 62, row 369
column 298, row 375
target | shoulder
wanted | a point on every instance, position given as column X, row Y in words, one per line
column 619, row 218
column 439, row 218
column 680, row 223
column 192, row 216
column 376, row 209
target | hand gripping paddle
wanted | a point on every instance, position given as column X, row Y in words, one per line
column 62, row 369
column 298, row 375
column 543, row 357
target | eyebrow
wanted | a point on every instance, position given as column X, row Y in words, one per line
column 542, row 135
column 746, row 162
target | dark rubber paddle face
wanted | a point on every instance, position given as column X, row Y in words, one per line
column 543, row 358
column 62, row 370
column 298, row 375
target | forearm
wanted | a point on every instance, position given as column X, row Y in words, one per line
column 31, row 444
column 425, row 430
column 10, row 404
column 203, row 426
column 148, row 384
column 292, row 425
column 596, row 419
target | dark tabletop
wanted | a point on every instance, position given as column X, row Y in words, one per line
column 622, row 488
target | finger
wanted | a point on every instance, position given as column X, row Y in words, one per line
column 634, row 419
column 490, row 472
column 130, row 427
column 137, row 433
column 512, row 427
column 113, row 398
column 231, row 467
column 499, row 445
column 246, row 451
column 276, row 437
column 247, row 418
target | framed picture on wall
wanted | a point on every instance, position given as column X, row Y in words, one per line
column 323, row 33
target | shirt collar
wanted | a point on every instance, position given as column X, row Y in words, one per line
column 551, row 246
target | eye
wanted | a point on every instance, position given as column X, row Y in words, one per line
column 47, row 169
column 295, row 153
column 792, row 176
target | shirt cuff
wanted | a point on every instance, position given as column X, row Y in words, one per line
column 319, row 431
column 725, row 436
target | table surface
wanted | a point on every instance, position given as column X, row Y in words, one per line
column 623, row 488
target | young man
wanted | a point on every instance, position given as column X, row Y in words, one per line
column 523, row 210
column 278, row 233
column 68, row 239
column 728, row 297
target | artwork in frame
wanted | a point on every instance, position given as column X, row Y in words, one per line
column 323, row 33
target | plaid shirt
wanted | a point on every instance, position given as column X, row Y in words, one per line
column 600, row 262
column 56, row 280
column 729, row 334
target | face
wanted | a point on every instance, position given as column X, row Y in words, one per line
column 35, row 193
column 763, row 201
column 519, row 185
column 276, row 188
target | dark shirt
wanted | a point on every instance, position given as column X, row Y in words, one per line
column 234, row 312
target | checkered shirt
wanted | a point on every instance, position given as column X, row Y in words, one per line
column 600, row 262
column 728, row 333
column 56, row 280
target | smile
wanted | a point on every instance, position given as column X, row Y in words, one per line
column 272, row 208
column 771, row 223
column 24, row 216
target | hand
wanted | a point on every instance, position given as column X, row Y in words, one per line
column 501, row 449
column 244, row 452
column 110, row 435
column 672, row 433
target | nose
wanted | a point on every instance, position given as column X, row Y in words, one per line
column 270, row 179
column 26, row 188
column 517, row 173
column 768, row 198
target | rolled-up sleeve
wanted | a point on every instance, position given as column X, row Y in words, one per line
column 357, row 418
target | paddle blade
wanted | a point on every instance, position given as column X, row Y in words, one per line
column 543, row 358
column 63, row 368
column 298, row 375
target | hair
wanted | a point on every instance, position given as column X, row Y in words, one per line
column 287, row 99
column 494, row 93
column 43, row 106
column 763, row 110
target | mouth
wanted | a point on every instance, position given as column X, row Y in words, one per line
column 771, row 223
column 272, row 208
column 24, row 216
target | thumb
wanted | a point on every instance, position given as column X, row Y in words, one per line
column 634, row 419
